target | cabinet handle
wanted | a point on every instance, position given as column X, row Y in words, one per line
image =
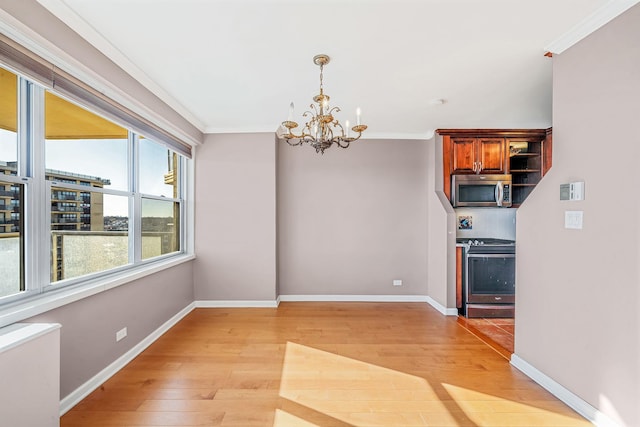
column 474, row 166
column 479, row 167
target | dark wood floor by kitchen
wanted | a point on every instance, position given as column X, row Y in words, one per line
column 497, row 333
column 320, row 364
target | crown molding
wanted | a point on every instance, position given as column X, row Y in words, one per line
column 590, row 24
column 426, row 135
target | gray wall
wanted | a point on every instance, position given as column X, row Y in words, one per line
column 350, row 221
column 89, row 326
column 285, row 220
column 235, row 198
column 578, row 293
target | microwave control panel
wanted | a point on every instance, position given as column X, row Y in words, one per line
column 507, row 193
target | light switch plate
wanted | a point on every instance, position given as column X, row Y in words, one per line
column 573, row 219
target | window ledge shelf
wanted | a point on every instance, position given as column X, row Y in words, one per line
column 41, row 303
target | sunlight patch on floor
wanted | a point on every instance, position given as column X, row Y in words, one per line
column 357, row 393
column 328, row 389
column 485, row 409
column 285, row 419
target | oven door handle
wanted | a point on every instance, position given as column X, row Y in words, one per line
column 490, row 255
column 499, row 193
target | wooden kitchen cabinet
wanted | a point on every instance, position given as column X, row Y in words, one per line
column 478, row 155
column 496, row 151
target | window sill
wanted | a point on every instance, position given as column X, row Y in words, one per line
column 38, row 304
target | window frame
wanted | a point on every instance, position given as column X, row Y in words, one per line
column 27, row 185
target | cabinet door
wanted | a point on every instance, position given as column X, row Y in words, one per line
column 463, row 155
column 491, row 155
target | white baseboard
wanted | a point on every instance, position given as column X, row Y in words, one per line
column 326, row 298
column 85, row 389
column 441, row 308
column 238, row 303
column 353, row 298
column 371, row 298
column 576, row 403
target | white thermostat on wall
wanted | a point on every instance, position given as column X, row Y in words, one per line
column 572, row 191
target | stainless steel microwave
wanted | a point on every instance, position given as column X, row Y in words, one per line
column 481, row 191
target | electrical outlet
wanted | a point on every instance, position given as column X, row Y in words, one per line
column 121, row 334
column 397, row 282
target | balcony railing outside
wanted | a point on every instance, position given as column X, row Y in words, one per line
column 10, row 264
column 67, row 209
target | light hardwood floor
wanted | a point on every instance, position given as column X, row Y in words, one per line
column 320, row 364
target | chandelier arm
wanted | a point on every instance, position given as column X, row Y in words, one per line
column 293, row 136
column 293, row 144
column 342, row 143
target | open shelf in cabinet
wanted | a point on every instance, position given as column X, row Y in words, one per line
column 525, row 166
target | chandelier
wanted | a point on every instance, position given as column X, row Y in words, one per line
column 321, row 130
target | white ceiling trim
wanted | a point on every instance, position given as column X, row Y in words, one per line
column 594, row 21
column 367, row 135
column 60, row 9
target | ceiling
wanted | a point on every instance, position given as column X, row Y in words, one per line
column 235, row 65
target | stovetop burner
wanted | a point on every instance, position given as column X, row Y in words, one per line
column 478, row 241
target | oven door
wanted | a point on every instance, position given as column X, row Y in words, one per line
column 491, row 278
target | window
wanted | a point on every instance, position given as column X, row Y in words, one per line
column 80, row 185
column 159, row 172
column 84, row 149
column 160, row 227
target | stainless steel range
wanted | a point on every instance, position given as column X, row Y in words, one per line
column 490, row 279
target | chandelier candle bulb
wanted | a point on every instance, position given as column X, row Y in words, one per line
column 358, row 116
column 290, row 112
column 347, row 126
